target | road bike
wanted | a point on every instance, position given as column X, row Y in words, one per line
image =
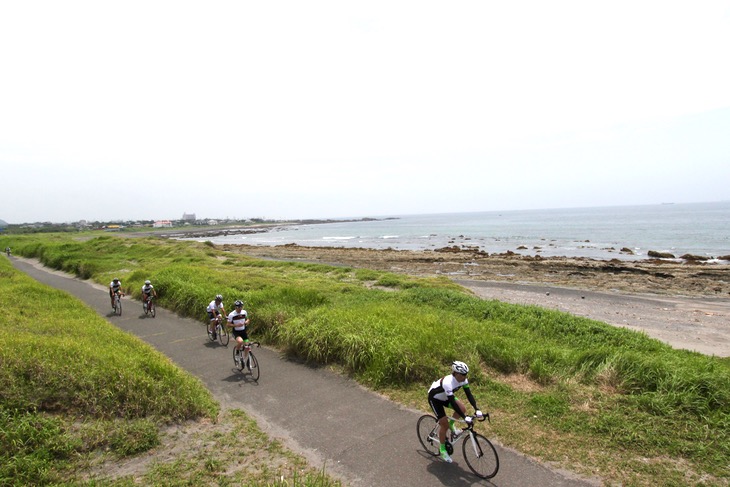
column 479, row 453
column 118, row 303
column 252, row 364
column 149, row 306
column 220, row 331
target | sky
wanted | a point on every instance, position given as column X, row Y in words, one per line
column 338, row 109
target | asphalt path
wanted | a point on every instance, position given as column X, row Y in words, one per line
column 355, row 434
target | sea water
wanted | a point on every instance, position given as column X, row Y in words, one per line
column 622, row 232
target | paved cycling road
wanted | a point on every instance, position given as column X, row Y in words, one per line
column 356, row 434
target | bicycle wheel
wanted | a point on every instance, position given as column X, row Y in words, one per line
column 427, row 430
column 239, row 365
column 223, row 335
column 210, row 333
column 253, row 366
column 153, row 311
column 118, row 305
column 480, row 455
column 145, row 308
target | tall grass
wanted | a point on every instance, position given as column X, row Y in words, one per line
column 64, row 371
column 646, row 396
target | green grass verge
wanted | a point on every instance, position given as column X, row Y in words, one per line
column 605, row 400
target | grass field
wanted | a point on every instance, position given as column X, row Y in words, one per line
column 593, row 398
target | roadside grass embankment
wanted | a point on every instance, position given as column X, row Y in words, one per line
column 78, row 394
column 600, row 400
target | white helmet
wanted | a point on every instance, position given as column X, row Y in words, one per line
column 147, row 282
column 460, row 368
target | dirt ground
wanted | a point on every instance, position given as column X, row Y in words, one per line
column 685, row 304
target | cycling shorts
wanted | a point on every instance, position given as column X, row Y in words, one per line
column 240, row 333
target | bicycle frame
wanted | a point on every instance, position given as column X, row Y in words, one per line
column 469, row 429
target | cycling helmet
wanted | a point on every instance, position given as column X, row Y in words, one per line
column 218, row 297
column 116, row 279
column 238, row 303
column 147, row 282
column 460, row 368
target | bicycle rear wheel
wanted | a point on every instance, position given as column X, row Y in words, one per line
column 427, row 430
column 223, row 335
column 480, row 455
column 253, row 366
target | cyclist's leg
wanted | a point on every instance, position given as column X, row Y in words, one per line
column 438, row 409
column 245, row 343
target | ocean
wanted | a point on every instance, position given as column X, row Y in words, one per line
column 701, row 229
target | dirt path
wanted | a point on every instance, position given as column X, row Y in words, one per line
column 338, row 425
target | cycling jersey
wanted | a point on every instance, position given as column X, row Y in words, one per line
column 238, row 319
column 147, row 289
column 441, row 394
column 213, row 309
column 115, row 286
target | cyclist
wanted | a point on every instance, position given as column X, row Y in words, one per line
column 441, row 395
column 115, row 287
column 215, row 308
column 7, row 251
column 238, row 319
column 148, row 290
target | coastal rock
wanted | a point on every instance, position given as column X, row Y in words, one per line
column 661, row 255
column 724, row 257
column 700, row 258
column 626, row 250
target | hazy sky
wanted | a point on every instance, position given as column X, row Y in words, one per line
column 312, row 109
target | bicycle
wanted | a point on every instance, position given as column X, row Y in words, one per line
column 220, row 330
column 479, row 453
column 118, row 303
column 149, row 307
column 252, row 364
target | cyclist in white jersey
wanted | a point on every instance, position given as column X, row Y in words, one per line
column 115, row 287
column 238, row 318
column 214, row 309
column 148, row 290
column 441, row 395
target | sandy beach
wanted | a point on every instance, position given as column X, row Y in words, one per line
column 685, row 304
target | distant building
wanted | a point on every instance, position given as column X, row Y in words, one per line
column 162, row 224
column 188, row 217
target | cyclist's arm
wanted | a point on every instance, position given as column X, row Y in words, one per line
column 470, row 397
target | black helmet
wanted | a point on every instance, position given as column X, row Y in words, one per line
column 238, row 303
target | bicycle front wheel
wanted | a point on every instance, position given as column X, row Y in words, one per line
column 253, row 366
column 153, row 312
column 427, row 430
column 480, row 455
column 223, row 335
column 210, row 333
column 118, row 305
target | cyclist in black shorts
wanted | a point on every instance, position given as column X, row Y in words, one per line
column 441, row 395
column 238, row 319
column 215, row 308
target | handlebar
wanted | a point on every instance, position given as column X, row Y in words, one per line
column 485, row 417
